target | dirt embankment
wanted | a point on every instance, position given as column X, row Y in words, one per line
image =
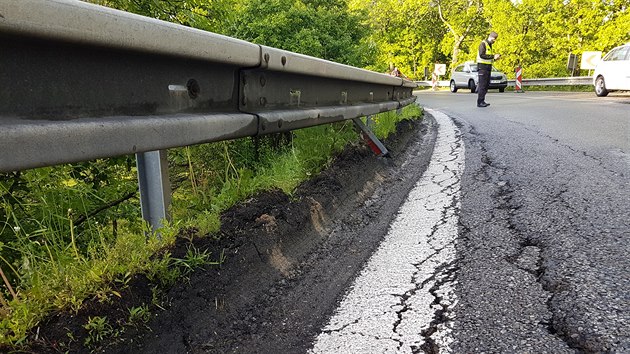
column 287, row 261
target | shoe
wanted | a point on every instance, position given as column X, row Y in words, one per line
column 483, row 104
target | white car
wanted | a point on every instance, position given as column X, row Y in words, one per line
column 613, row 71
column 466, row 76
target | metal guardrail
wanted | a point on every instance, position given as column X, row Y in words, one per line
column 81, row 81
column 556, row 81
column 552, row 81
column 425, row 83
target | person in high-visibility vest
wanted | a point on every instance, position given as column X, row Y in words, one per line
column 485, row 58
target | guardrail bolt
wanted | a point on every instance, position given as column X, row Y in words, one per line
column 263, row 101
column 280, row 124
column 283, row 60
column 344, row 97
column 266, row 57
column 193, row 88
column 263, row 81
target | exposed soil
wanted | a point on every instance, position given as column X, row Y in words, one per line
column 287, row 262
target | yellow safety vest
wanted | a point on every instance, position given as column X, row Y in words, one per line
column 488, row 52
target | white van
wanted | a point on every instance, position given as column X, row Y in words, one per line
column 613, row 71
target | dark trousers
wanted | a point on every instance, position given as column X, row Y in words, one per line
column 484, row 82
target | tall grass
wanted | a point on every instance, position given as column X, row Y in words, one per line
column 67, row 233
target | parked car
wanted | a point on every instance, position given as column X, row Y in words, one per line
column 613, row 71
column 465, row 76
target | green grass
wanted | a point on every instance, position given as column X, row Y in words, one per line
column 74, row 233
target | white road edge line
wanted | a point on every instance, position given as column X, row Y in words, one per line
column 401, row 300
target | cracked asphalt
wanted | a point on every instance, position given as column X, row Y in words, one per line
column 542, row 254
column 408, row 283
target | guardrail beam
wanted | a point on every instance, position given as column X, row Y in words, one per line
column 551, row 81
column 81, row 81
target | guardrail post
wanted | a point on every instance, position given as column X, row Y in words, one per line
column 377, row 147
column 155, row 188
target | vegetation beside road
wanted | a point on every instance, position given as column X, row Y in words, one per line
column 535, row 34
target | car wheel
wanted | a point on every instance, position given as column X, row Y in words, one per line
column 600, row 87
column 453, row 87
column 501, row 90
column 472, row 86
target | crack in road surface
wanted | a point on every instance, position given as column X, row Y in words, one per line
column 402, row 299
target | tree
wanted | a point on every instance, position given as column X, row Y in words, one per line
column 463, row 18
column 209, row 15
column 540, row 34
column 405, row 33
column 324, row 28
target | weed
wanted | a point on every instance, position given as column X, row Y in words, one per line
column 123, row 280
column 192, row 260
column 162, row 273
column 98, row 329
column 139, row 315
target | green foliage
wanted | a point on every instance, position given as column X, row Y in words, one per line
column 464, row 20
column 323, row 28
column 537, row 34
column 403, row 33
column 98, row 329
column 385, row 123
column 161, row 272
column 139, row 315
column 214, row 15
column 62, row 282
column 192, row 260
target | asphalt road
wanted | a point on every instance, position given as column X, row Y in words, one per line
column 514, row 240
column 543, row 247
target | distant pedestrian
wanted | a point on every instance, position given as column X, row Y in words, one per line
column 485, row 59
column 396, row 72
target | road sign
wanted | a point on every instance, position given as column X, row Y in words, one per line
column 572, row 62
column 590, row 60
column 440, row 69
column 518, row 83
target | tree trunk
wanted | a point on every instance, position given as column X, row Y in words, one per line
column 456, row 50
